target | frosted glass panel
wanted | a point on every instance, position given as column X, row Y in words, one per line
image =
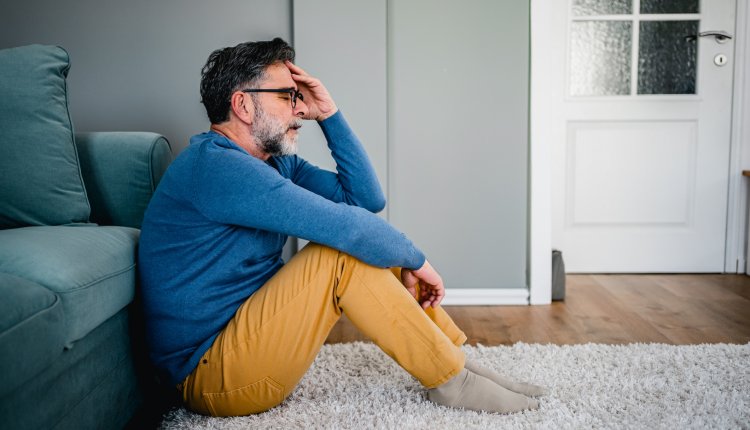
column 667, row 60
column 601, row 7
column 600, row 58
column 669, row 6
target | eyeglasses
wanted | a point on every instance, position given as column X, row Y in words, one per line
column 293, row 94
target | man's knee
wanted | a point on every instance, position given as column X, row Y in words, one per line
column 318, row 248
column 326, row 251
column 322, row 250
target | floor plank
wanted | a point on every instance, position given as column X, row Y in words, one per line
column 613, row 309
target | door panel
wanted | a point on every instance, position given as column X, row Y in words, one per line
column 641, row 153
column 657, row 157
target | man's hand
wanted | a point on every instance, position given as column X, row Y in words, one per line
column 431, row 289
column 319, row 103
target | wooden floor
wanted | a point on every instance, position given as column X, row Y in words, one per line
column 613, row 309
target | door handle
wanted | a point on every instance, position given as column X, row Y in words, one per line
column 721, row 36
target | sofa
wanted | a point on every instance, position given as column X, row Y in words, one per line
column 71, row 205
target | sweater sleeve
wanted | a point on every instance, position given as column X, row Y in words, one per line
column 232, row 187
column 355, row 182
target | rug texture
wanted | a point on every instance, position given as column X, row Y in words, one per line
column 635, row 386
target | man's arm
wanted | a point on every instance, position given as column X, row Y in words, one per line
column 232, row 187
column 356, row 178
column 355, row 183
column 239, row 189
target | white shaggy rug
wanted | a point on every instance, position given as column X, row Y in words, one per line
column 637, row 386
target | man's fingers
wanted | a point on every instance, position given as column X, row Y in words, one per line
column 295, row 68
column 431, row 302
column 307, row 80
column 303, row 78
column 434, row 297
column 410, row 282
column 427, row 296
column 438, row 299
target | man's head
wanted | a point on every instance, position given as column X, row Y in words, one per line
column 253, row 66
column 235, row 68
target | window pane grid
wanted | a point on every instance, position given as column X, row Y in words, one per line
column 642, row 17
column 586, row 72
column 628, row 7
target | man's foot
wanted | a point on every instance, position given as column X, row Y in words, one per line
column 471, row 391
column 518, row 387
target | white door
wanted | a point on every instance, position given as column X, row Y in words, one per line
column 639, row 133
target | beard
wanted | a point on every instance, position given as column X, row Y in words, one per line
column 271, row 134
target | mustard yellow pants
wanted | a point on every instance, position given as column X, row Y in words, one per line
column 267, row 347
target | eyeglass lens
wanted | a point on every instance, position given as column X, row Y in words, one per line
column 296, row 95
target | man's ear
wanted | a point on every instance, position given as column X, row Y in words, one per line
column 243, row 107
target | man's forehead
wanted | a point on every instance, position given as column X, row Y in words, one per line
column 279, row 76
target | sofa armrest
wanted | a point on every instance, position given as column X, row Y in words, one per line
column 121, row 171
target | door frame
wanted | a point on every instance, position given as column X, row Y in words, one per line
column 540, row 166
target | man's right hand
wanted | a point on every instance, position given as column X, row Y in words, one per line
column 431, row 288
column 320, row 105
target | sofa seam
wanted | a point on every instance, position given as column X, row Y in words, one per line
column 30, row 317
column 96, row 281
column 73, row 134
column 154, row 146
column 151, row 150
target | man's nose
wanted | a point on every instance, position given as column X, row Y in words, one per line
column 300, row 109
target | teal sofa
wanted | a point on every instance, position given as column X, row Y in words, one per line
column 71, row 205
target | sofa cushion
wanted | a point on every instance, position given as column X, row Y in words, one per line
column 32, row 330
column 91, row 268
column 40, row 180
column 121, row 171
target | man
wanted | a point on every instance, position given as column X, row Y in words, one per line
column 228, row 323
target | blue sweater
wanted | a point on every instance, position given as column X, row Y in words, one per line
column 214, row 230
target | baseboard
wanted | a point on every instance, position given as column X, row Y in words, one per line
column 485, row 296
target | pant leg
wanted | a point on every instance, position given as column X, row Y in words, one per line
column 440, row 318
column 261, row 355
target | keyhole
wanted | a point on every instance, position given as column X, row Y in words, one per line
column 720, row 60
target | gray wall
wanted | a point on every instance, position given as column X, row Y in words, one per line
column 348, row 53
column 438, row 93
column 458, row 114
column 135, row 65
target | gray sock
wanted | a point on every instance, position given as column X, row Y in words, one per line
column 471, row 391
column 518, row 387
